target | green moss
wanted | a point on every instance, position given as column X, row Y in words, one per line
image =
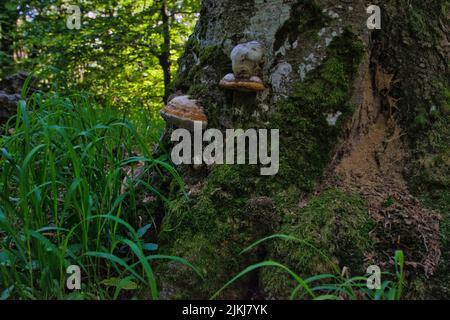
column 430, row 174
column 210, row 231
column 208, row 56
column 419, row 14
column 430, row 181
column 198, row 90
column 198, row 58
column 337, row 224
column 312, row 18
column 445, row 8
column 307, row 140
column 213, row 260
column 430, row 133
column 211, row 54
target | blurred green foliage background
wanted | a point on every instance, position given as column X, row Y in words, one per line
column 124, row 52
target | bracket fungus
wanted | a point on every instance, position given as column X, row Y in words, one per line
column 246, row 62
column 183, row 112
column 244, row 85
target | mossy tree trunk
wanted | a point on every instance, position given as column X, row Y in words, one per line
column 345, row 187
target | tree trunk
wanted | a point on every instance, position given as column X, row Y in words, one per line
column 363, row 118
column 8, row 23
column 164, row 58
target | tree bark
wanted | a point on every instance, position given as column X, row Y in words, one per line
column 164, row 57
column 7, row 28
column 353, row 189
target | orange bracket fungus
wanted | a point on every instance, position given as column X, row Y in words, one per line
column 183, row 112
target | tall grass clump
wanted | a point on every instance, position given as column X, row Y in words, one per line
column 62, row 203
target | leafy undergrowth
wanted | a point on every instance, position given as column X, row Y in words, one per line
column 62, row 203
